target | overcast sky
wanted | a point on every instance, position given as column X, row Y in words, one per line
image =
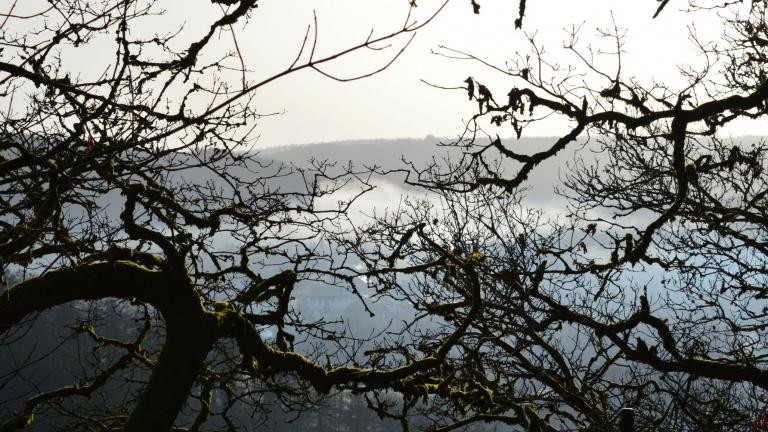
column 396, row 104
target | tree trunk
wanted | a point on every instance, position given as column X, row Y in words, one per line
column 186, row 346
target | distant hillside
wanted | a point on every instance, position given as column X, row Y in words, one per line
column 388, row 154
column 379, row 151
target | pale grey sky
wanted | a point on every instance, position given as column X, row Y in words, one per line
column 395, row 103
